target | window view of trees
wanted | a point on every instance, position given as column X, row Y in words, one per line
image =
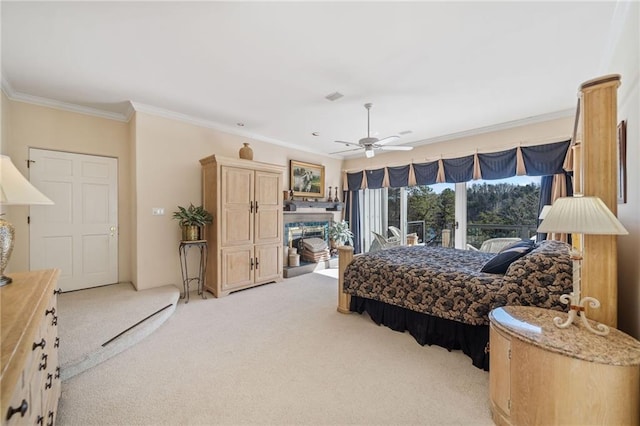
column 494, row 209
column 428, row 211
column 501, row 209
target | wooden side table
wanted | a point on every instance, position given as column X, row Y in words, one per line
column 183, row 249
column 542, row 374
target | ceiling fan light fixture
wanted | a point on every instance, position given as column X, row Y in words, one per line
column 369, row 152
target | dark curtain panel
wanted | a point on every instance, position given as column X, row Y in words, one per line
column 546, row 189
column 398, row 176
column 458, row 169
column 354, row 181
column 546, row 198
column 498, row 165
column 375, row 178
column 542, row 160
column 352, row 215
column 426, row 173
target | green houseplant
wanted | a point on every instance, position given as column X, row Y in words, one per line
column 339, row 234
column 191, row 220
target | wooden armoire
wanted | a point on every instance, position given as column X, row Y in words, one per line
column 245, row 239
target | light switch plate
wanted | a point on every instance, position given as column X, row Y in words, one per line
column 157, row 211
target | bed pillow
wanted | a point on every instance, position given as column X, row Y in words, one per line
column 501, row 261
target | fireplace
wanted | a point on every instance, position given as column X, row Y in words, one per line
column 306, row 225
column 297, row 227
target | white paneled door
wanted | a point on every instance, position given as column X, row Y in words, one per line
column 79, row 233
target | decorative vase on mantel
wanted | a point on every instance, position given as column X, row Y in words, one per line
column 246, row 153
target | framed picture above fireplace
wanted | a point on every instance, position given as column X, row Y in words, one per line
column 306, row 179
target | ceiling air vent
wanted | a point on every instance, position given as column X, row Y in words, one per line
column 334, row 96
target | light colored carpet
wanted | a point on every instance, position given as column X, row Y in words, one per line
column 89, row 318
column 277, row 354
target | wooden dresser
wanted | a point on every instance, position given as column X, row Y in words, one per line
column 30, row 375
column 541, row 374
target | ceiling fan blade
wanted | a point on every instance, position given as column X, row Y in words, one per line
column 349, row 143
column 395, row 148
column 388, row 139
column 346, row 150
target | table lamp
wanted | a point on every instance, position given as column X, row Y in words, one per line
column 14, row 190
column 580, row 215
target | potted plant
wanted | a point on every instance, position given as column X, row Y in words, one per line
column 192, row 219
column 339, row 234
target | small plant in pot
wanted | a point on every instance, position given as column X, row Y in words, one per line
column 339, row 234
column 191, row 220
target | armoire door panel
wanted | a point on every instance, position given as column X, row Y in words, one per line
column 237, row 227
column 267, row 192
column 269, row 258
column 236, row 267
column 268, row 227
column 237, row 186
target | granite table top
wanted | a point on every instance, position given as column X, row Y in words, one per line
column 535, row 326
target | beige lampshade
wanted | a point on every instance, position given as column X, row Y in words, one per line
column 544, row 211
column 15, row 189
column 581, row 215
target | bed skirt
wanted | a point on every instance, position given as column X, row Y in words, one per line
column 473, row 340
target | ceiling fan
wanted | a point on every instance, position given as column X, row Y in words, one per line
column 370, row 144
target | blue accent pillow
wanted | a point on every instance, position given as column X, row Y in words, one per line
column 501, row 261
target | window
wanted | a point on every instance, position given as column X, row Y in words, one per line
column 464, row 213
column 423, row 210
column 502, row 208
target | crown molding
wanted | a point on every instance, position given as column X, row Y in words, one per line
column 65, row 106
column 498, row 127
column 210, row 124
column 133, row 107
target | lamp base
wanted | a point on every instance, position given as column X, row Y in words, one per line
column 577, row 305
column 7, row 234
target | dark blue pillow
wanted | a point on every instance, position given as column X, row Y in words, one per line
column 499, row 263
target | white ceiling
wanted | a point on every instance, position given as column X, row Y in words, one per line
column 433, row 68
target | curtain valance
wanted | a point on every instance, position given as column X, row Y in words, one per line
column 537, row 160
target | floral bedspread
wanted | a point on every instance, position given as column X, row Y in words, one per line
column 447, row 282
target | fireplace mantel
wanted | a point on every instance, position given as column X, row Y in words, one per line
column 294, row 205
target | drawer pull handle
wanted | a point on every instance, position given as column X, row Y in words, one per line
column 57, row 376
column 43, row 365
column 54, row 320
column 57, row 291
column 50, row 417
column 41, row 344
column 22, row 409
column 40, row 421
column 50, row 311
column 257, row 263
column 57, row 343
column 49, row 381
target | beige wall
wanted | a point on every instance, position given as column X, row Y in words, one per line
column 626, row 62
column 30, row 126
column 167, row 169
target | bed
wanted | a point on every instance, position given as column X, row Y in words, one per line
column 441, row 296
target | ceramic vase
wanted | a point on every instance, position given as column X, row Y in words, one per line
column 246, row 153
